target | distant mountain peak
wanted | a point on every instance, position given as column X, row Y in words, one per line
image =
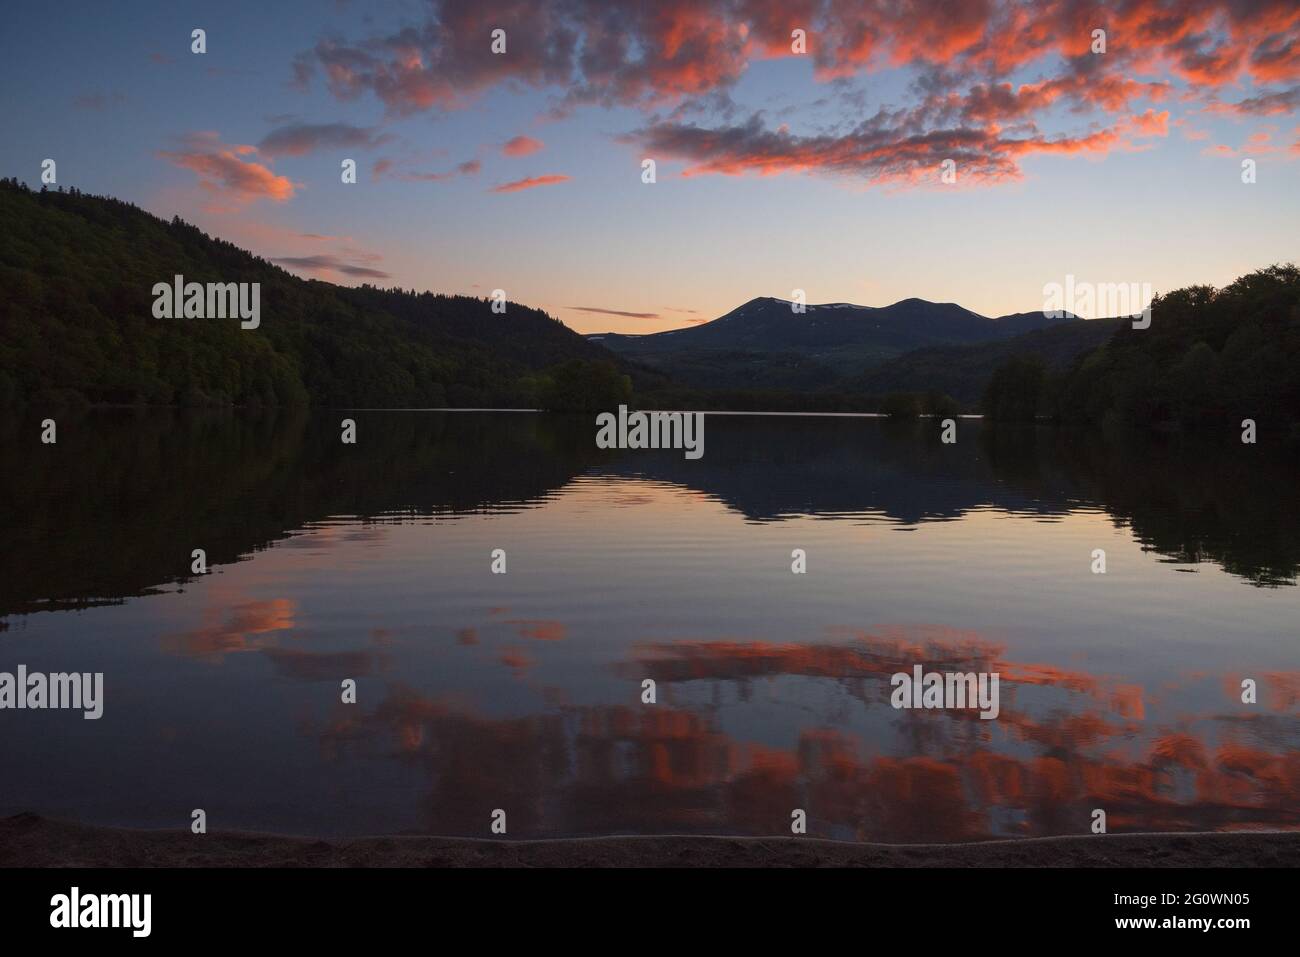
column 912, row 304
column 765, row 343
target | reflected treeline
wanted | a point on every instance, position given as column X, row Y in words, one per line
column 1224, row 502
column 115, row 507
column 1193, row 501
column 774, row 467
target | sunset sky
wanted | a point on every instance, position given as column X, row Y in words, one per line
column 776, row 170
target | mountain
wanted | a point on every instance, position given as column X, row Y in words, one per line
column 77, row 324
column 764, row 344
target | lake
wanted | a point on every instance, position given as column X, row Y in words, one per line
column 523, row 691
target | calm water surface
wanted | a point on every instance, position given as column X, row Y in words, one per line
column 522, row 691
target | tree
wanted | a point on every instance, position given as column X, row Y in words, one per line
column 940, row 404
column 1015, row 390
column 581, row 386
column 1209, row 358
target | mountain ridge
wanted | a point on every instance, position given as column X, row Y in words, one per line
column 910, row 302
column 763, row 343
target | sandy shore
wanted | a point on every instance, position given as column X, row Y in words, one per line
column 27, row 840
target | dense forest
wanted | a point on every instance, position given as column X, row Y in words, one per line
column 77, row 326
column 963, row 371
column 1210, row 358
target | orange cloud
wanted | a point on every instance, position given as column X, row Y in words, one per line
column 530, row 183
column 521, row 146
column 222, row 171
column 1150, row 123
column 1258, row 143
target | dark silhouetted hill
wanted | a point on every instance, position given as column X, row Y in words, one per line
column 963, row 371
column 764, row 344
column 78, row 272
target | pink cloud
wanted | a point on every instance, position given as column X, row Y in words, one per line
column 530, row 182
column 521, row 146
column 222, row 171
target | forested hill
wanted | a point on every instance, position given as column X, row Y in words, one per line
column 963, row 371
column 77, row 324
column 1210, row 360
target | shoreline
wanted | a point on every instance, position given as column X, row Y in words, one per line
column 29, row 840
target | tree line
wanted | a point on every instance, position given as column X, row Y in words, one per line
column 1210, row 358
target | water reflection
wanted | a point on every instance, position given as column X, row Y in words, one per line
column 522, row 691
column 668, row 769
column 131, row 485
